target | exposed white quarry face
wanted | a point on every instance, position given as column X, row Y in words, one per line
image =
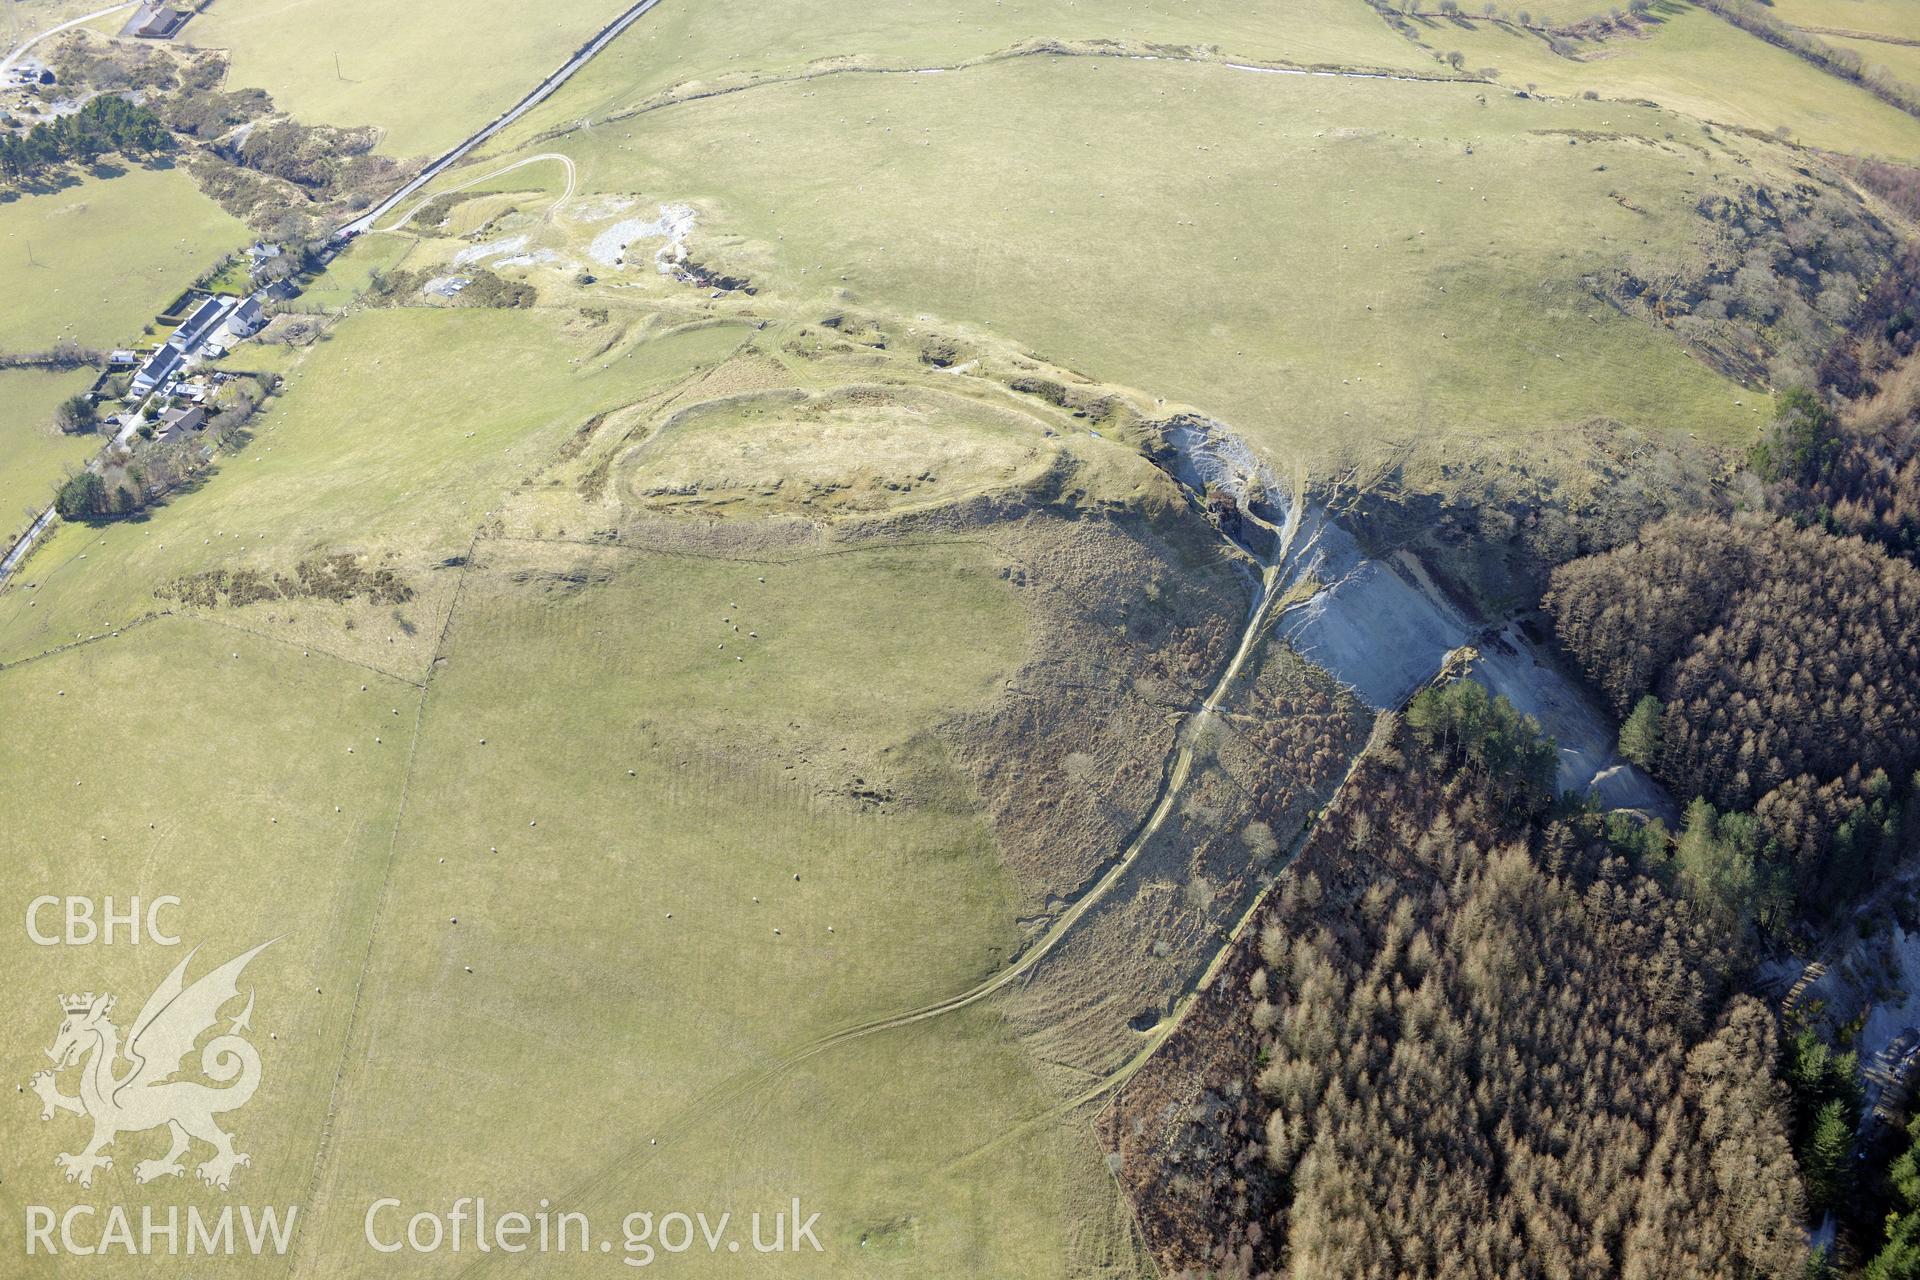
column 673, row 225
column 1384, row 629
column 1384, row 633
column 1374, row 630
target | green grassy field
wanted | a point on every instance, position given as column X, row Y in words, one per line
column 231, row 788
column 679, row 909
column 1903, row 60
column 384, row 442
column 1696, row 63
column 408, row 69
column 709, row 41
column 1883, row 17
column 657, row 775
column 34, row 456
column 617, row 752
column 93, row 262
column 1333, row 321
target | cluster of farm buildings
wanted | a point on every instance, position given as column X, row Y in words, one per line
column 165, row 379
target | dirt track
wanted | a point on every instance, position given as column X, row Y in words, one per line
column 606, row 36
column 566, row 195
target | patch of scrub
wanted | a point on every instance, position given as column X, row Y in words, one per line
column 673, row 226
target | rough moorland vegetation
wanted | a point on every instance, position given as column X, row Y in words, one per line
column 478, row 287
column 1785, row 281
column 338, row 577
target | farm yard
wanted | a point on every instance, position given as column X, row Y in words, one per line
column 86, row 266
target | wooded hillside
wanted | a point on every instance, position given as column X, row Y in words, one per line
column 1786, row 664
column 1462, row 1042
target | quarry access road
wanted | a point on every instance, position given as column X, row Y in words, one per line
column 554, row 208
column 587, row 52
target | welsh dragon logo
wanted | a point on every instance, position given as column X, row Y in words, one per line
column 142, row 1094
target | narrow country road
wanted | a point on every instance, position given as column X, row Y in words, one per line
column 19, row 50
column 607, row 35
column 27, row 539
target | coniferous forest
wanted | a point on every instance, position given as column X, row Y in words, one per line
column 1481, row 1029
column 1785, row 667
column 1473, row 1038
